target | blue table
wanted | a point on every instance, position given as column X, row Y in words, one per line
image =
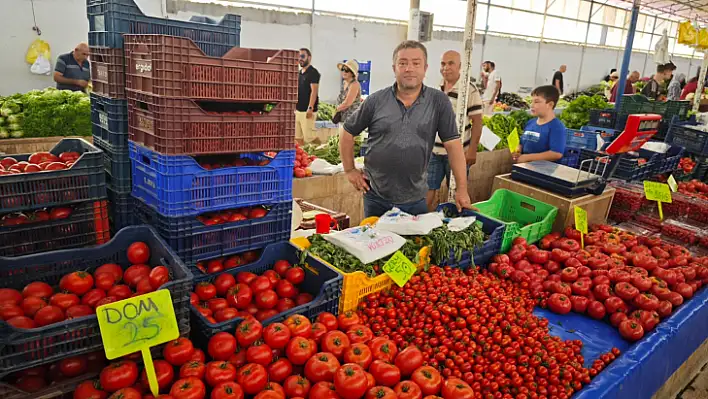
column 643, row 367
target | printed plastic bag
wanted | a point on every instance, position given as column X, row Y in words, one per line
column 38, row 47
column 399, row 222
column 368, row 244
column 41, row 66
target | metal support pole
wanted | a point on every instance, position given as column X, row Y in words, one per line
column 461, row 111
column 414, row 20
column 585, row 46
column 701, row 81
column 486, row 30
column 627, row 52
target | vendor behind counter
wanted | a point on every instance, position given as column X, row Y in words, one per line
column 544, row 136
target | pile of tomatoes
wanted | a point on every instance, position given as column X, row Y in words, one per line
column 228, row 262
column 245, row 294
column 480, row 329
column 631, row 281
column 687, row 165
column 80, row 293
column 38, row 162
column 233, row 215
column 38, row 378
column 302, row 163
column 37, row 216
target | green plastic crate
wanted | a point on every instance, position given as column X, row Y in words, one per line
column 523, row 216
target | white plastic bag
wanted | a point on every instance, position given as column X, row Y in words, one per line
column 322, row 167
column 461, row 223
column 368, row 244
column 399, row 222
column 41, row 66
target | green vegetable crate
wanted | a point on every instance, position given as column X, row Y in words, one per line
column 523, row 216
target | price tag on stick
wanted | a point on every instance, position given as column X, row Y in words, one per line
column 137, row 324
column 581, row 223
column 513, row 141
column 399, row 268
column 658, row 192
column 672, row 184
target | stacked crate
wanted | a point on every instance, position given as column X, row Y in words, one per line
column 109, row 20
column 62, row 206
column 211, row 144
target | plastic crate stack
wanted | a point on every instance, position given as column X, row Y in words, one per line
column 211, row 145
column 63, row 206
column 109, row 20
column 638, row 104
column 588, row 138
column 694, row 139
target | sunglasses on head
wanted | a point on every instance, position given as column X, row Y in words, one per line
column 347, row 70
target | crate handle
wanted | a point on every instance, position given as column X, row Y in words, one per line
column 528, row 206
column 99, row 106
column 146, row 159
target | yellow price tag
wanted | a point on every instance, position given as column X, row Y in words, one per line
column 654, row 191
column 513, row 140
column 399, row 268
column 672, row 183
column 581, row 220
column 137, row 324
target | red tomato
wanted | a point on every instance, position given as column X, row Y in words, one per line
column 120, row 291
column 77, row 283
column 281, row 267
column 178, row 352
column 596, row 310
column 22, row 322
column 295, row 275
column 127, row 393
column 559, row 303
column 631, row 330
column 408, row 360
column 285, row 289
column 335, row 342
column 9, row 295
column 321, row 367
column 223, row 282
column 138, row 253
column 239, row 296
column 246, row 278
column 384, row 373
column 164, row 372
column 266, row 299
column 279, row 370
column 205, row 290
column 38, row 289
column 90, row 389
column 188, row 388
column 329, row 320
column 227, row 390
column 299, row 326
column 135, row 273
column 73, row 366
column 359, row 354
column 118, row 375
column 248, row 332
column 324, row 390
column 64, row 301
column 299, row 350
column 111, row 268
column 218, row 372
column 350, row 381
column 383, row 349
column 277, row 335
column 408, row 390
column 48, row 315
column 222, row 346
column 253, row 378
column 346, row 320
column 303, row 298
column 428, row 379
column 9, row 311
column 158, row 276
column 192, row 368
column 360, row 333
column 296, row 386
column 455, row 388
column 30, row 305
column 380, row 393
column 259, row 353
column 104, row 281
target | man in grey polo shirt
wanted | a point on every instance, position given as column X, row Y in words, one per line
column 402, row 122
column 72, row 71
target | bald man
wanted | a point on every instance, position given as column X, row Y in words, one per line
column 72, row 71
column 628, row 88
column 439, row 165
column 558, row 78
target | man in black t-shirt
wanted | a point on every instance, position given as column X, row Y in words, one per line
column 653, row 87
column 557, row 80
column 307, row 98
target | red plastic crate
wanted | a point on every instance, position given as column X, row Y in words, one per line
column 173, row 126
column 108, row 72
column 176, row 67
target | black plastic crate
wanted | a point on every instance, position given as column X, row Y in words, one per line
column 603, row 118
column 321, row 281
column 84, row 181
column 20, row 348
column 194, row 241
column 110, row 19
column 629, row 168
column 109, row 119
column 669, row 161
column 686, row 135
column 120, row 210
column 118, row 170
column 86, row 225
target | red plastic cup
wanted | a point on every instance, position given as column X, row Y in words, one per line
column 324, row 223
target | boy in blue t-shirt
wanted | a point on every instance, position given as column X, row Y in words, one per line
column 544, row 137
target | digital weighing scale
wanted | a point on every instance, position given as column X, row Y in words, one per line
column 593, row 174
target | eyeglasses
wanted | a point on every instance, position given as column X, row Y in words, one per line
column 347, row 70
column 303, row 56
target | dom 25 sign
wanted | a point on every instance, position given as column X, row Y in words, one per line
column 137, row 324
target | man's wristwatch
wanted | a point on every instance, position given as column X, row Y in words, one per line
column 309, row 108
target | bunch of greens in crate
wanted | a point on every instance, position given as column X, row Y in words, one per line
column 503, row 125
column 330, row 150
column 325, row 111
column 577, row 114
column 45, row 113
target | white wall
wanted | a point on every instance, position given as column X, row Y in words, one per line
column 64, row 24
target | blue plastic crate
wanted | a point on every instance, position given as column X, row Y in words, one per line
column 110, row 19
column 630, row 167
column 491, row 247
column 175, row 185
column 571, row 157
column 683, row 134
column 669, row 161
column 321, row 281
column 109, row 118
column 84, row 181
column 120, row 210
column 118, row 170
column 587, row 137
column 193, row 241
column 20, row 349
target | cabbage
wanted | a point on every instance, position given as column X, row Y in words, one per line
column 15, row 118
column 14, row 126
column 2, row 121
column 17, row 134
column 4, row 133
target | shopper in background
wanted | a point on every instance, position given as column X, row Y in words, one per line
column 674, row 89
column 349, row 97
column 691, row 86
column 545, row 136
column 402, row 121
column 611, row 83
column 557, row 80
column 653, row 87
column 608, row 77
column 492, row 88
column 439, row 166
column 72, row 70
column 307, row 98
column 628, row 85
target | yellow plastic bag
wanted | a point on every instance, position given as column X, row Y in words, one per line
column 687, row 33
column 37, row 47
column 703, row 39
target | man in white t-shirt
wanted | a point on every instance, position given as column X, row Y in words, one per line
column 493, row 87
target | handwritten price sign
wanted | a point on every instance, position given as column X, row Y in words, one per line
column 658, row 192
column 672, row 183
column 581, row 223
column 399, row 268
column 137, row 324
column 513, row 140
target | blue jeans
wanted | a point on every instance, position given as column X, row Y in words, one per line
column 377, row 206
column 438, row 169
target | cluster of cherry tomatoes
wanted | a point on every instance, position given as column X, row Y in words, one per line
column 79, row 293
column 631, row 281
column 243, row 294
